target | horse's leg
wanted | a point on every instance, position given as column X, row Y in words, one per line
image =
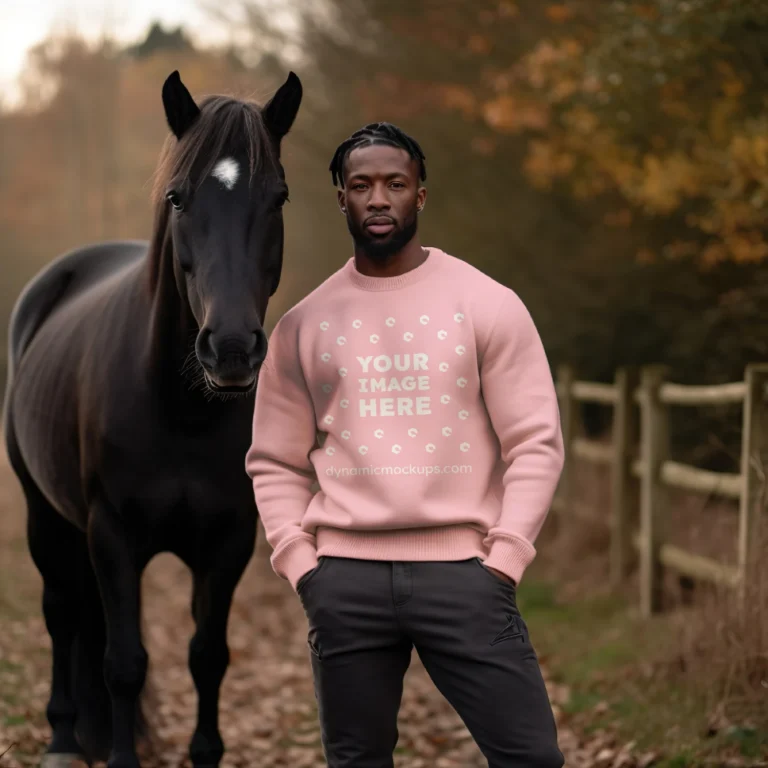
column 118, row 572
column 214, row 586
column 58, row 550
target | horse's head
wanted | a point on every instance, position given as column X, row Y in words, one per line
column 224, row 189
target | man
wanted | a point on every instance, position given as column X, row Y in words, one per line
column 416, row 390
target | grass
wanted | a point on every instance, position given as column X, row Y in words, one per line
column 618, row 669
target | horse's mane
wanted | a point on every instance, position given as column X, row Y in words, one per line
column 225, row 125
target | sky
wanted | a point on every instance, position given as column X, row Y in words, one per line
column 23, row 23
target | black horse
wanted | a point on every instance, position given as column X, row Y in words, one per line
column 128, row 414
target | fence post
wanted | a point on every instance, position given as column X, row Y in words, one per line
column 754, row 463
column 568, row 422
column 654, row 448
column 623, row 485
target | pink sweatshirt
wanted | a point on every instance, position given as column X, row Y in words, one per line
column 424, row 408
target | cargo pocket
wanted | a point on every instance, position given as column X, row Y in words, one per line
column 514, row 630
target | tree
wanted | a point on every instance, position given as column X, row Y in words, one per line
column 661, row 102
column 366, row 61
column 158, row 39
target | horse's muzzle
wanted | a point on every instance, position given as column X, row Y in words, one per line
column 231, row 364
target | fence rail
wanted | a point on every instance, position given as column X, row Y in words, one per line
column 718, row 394
column 639, row 450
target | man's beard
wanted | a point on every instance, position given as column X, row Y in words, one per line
column 381, row 250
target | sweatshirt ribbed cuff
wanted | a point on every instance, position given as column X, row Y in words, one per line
column 510, row 555
column 295, row 559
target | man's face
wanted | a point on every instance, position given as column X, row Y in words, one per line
column 381, row 197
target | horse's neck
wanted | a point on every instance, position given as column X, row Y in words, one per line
column 172, row 326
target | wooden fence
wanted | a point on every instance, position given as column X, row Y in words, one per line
column 639, row 451
column 641, row 470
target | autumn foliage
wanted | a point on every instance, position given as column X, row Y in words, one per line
column 662, row 103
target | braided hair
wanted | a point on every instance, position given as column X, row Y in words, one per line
column 376, row 133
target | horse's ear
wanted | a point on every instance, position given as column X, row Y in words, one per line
column 180, row 107
column 280, row 111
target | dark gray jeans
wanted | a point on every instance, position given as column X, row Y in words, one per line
column 365, row 617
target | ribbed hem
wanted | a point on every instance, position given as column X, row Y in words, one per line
column 369, row 283
column 510, row 555
column 434, row 543
column 295, row 559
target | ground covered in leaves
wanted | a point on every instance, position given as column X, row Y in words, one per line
column 268, row 712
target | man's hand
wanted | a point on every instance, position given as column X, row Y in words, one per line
column 502, row 576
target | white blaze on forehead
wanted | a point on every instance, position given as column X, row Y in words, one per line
column 226, row 171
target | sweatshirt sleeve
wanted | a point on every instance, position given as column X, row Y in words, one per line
column 522, row 404
column 283, row 435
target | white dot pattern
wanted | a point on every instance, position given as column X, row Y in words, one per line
column 447, row 430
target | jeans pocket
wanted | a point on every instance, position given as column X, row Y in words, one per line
column 490, row 575
column 309, row 575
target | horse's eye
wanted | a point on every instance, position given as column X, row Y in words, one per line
column 175, row 200
column 283, row 199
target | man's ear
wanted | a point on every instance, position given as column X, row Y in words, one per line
column 421, row 199
column 342, row 198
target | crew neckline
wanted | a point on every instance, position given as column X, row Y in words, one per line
column 394, row 282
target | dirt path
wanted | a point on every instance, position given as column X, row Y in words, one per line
column 268, row 715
